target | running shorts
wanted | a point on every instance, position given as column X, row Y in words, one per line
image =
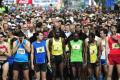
column 41, row 67
column 114, row 59
column 20, row 66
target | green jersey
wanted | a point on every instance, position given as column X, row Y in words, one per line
column 76, row 51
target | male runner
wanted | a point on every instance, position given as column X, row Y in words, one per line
column 56, row 48
column 114, row 52
column 92, row 56
column 21, row 50
column 39, row 52
column 76, row 56
column 104, row 53
column 4, row 53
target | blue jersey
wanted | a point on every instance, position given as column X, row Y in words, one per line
column 21, row 54
column 40, row 52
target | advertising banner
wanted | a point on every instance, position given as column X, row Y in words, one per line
column 24, row 1
column 40, row 1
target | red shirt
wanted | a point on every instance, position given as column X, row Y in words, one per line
column 114, row 47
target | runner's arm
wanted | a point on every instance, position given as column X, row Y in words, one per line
column 106, row 50
column 99, row 49
column 27, row 46
column 48, row 52
column 8, row 52
column 85, row 51
column 15, row 47
column 32, row 55
column 64, row 51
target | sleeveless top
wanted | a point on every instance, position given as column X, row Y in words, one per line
column 21, row 54
column 40, row 52
column 76, row 51
column 57, row 48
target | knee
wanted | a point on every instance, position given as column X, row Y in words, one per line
column 15, row 77
column 26, row 78
column 109, row 74
column 43, row 78
column 4, row 77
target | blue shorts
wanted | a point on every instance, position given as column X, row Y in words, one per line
column 103, row 61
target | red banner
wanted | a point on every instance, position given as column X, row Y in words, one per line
column 24, row 1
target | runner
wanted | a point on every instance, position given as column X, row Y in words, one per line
column 92, row 56
column 76, row 56
column 4, row 53
column 114, row 52
column 56, row 48
column 39, row 58
column 11, row 39
column 103, row 58
column 21, row 50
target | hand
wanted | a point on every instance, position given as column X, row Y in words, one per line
column 119, row 41
column 22, row 40
column 49, row 64
column 32, row 66
column 85, row 64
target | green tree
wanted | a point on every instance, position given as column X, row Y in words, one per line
column 102, row 1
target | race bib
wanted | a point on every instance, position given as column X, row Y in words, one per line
column 76, row 47
column 21, row 51
column 56, row 48
column 93, row 49
column 115, row 46
column 40, row 50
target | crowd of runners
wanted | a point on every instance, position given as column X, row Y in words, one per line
column 36, row 44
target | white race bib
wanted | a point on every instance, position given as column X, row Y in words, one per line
column 115, row 46
column 76, row 47
column 40, row 50
column 21, row 51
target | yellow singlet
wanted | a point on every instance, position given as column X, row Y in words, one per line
column 57, row 47
column 93, row 52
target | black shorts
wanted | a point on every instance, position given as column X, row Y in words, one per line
column 20, row 66
column 1, row 63
column 93, row 65
column 41, row 67
column 76, row 64
column 57, row 59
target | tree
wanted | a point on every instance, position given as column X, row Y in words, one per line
column 101, row 1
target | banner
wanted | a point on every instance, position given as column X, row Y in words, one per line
column 40, row 1
column 24, row 1
column 56, row 3
column 9, row 1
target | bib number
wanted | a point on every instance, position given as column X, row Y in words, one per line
column 21, row 51
column 76, row 47
column 115, row 46
column 40, row 50
column 56, row 48
column 93, row 49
